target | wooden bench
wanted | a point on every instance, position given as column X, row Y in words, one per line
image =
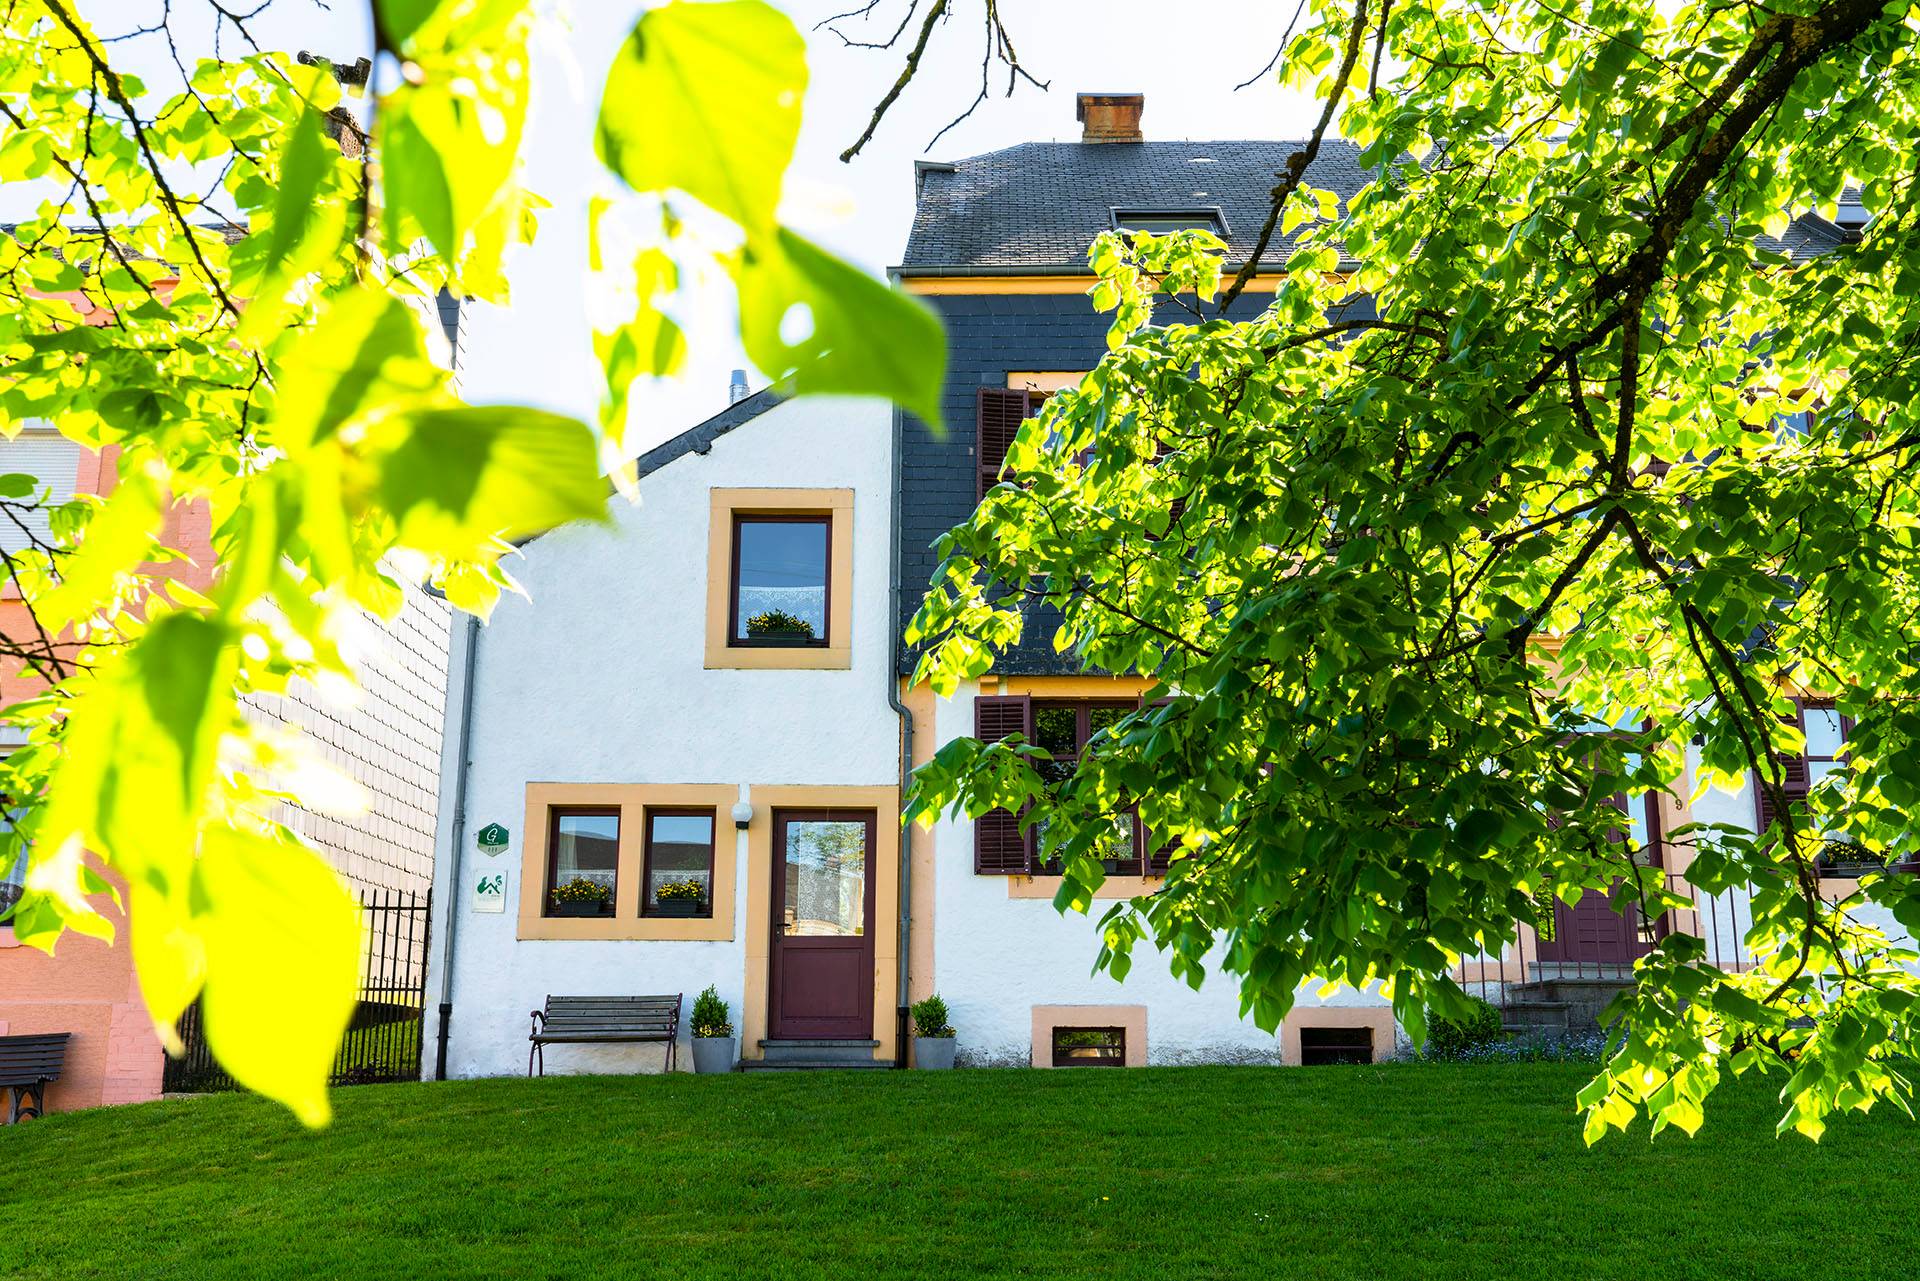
column 28, row 1064
column 601, row 1019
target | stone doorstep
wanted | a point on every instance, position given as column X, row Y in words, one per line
column 849, row 1052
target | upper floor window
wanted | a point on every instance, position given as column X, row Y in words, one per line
column 781, row 582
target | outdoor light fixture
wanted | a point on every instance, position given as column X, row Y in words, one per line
column 742, row 815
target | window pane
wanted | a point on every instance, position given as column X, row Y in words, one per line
column 826, row 879
column 1121, row 853
column 1100, row 718
column 1056, row 728
column 680, row 855
column 782, row 581
column 1089, row 1047
column 1823, row 731
column 586, row 848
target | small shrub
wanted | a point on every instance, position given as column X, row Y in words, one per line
column 930, row 1018
column 581, row 890
column 778, row 622
column 1454, row 1038
column 710, row 1014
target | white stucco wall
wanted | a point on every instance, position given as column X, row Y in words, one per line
column 996, row 958
column 598, row 677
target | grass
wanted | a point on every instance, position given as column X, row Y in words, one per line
column 1401, row 1171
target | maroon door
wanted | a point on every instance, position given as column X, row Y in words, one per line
column 1592, row 932
column 822, row 955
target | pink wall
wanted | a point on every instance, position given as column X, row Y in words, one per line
column 88, row 987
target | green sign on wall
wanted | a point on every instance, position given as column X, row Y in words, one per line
column 492, row 838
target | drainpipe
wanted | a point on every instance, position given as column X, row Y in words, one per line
column 906, row 741
column 457, row 842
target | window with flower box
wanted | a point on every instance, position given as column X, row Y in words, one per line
column 583, row 862
column 678, row 863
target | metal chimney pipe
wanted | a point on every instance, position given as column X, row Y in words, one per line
column 737, row 389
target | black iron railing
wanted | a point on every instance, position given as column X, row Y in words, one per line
column 382, row 1042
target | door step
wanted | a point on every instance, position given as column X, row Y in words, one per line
column 810, row 1053
column 814, row 1065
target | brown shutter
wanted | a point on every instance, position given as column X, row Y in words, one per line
column 998, row 415
column 1795, row 779
column 1159, row 857
column 1000, row 848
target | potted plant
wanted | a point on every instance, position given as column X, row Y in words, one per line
column 712, row 1033
column 679, row 898
column 932, row 1034
column 581, row 897
column 779, row 625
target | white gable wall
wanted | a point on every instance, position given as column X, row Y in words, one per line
column 598, row 677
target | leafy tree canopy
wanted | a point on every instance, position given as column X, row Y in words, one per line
column 281, row 376
column 1542, row 429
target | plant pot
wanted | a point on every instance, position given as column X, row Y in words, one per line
column 577, row 909
column 933, row 1053
column 712, row 1054
column 678, row 907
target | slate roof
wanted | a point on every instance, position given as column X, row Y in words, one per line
column 1040, row 204
column 1034, row 208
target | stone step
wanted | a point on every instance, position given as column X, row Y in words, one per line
column 1535, row 1014
column 815, row 1065
column 845, row 1052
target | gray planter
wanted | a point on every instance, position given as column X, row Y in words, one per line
column 933, row 1053
column 712, row 1054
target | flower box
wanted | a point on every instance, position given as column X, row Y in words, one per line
column 682, row 907
column 577, row 909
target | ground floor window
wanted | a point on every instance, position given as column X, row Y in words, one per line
column 1089, row 1047
column 583, row 859
column 679, row 863
column 1323, row 1045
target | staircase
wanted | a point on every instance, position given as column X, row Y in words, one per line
column 1556, row 1005
column 815, row 1056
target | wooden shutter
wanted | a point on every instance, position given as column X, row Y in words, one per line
column 998, row 415
column 1159, row 857
column 1000, row 848
column 1795, row 780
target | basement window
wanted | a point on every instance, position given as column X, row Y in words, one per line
column 1089, row 1047
column 1159, row 222
column 1323, row 1045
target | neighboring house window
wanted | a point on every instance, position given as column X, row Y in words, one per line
column 679, row 863
column 1159, row 222
column 54, row 463
column 1089, row 1047
column 1062, row 728
column 1826, row 732
column 998, row 413
column 782, row 581
column 1323, row 1045
column 14, row 882
column 583, row 857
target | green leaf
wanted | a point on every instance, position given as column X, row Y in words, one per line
column 460, row 480
column 816, row 325
column 282, row 944
column 705, row 99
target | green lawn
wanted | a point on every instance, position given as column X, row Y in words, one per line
column 1397, row 1171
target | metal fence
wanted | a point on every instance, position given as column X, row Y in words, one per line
column 1538, row 984
column 382, row 1042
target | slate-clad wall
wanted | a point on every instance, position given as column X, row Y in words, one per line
column 989, row 336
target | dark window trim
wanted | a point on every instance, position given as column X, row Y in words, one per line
column 554, row 814
column 734, row 641
column 1118, row 215
column 647, row 814
column 1082, row 732
column 1063, row 1055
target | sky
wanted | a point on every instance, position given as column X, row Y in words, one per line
column 538, row 350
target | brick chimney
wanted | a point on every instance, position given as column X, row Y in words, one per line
column 1110, row 117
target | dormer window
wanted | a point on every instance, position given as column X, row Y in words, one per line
column 1159, row 222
